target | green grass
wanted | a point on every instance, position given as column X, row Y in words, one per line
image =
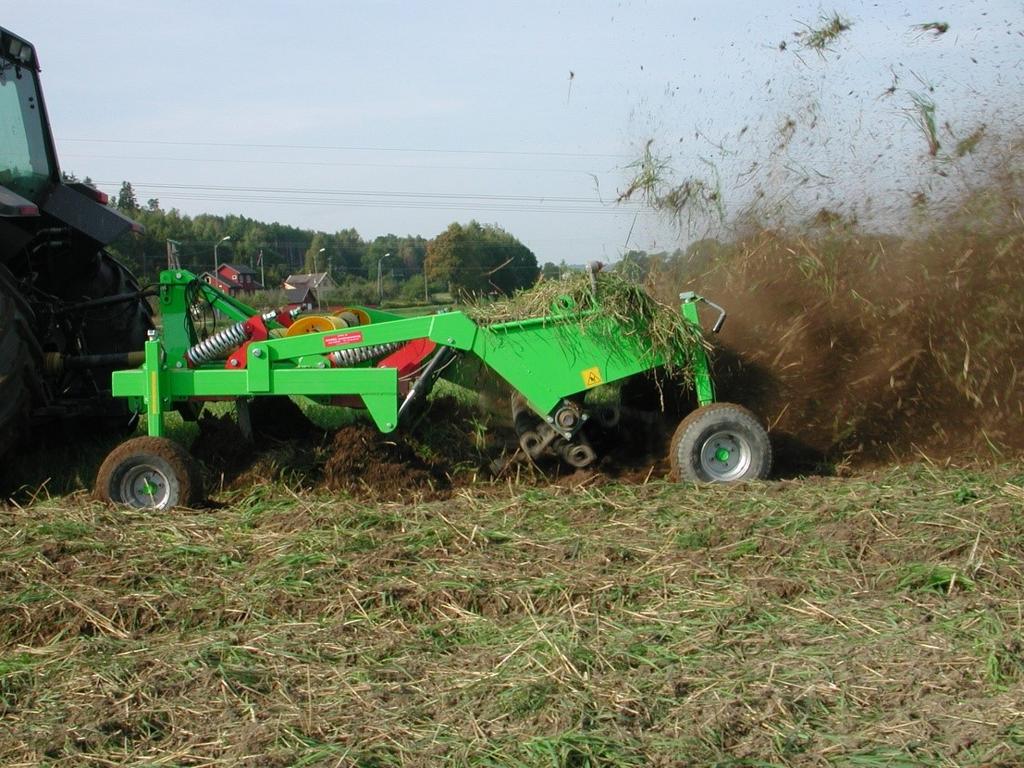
column 828, row 30
column 872, row 621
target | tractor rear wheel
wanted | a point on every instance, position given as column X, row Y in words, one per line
column 20, row 360
column 721, row 443
column 149, row 473
column 118, row 327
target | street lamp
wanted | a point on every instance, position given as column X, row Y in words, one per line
column 380, row 280
column 215, row 262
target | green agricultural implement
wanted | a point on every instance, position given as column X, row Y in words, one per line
column 387, row 364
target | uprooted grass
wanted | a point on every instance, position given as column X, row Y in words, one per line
column 873, row 621
column 608, row 298
column 870, row 347
column 821, row 37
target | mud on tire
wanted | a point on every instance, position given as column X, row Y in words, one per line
column 149, row 473
column 721, row 443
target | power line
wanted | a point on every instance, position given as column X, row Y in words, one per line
column 317, row 147
column 366, row 192
column 335, row 164
column 381, row 199
column 408, row 204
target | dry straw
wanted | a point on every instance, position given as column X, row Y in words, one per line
column 629, row 305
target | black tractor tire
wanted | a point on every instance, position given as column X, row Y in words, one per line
column 20, row 364
column 149, row 473
column 120, row 327
column 721, row 443
column 113, row 328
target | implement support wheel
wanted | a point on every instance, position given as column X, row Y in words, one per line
column 721, row 443
column 149, row 473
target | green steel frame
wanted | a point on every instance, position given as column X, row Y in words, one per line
column 546, row 359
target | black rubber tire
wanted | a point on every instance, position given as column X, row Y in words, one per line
column 721, row 443
column 120, row 327
column 20, row 363
column 144, row 463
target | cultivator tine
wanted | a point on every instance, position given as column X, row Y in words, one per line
column 540, row 436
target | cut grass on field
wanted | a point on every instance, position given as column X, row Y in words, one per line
column 873, row 621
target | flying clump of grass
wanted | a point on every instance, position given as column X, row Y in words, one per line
column 693, row 199
column 829, row 29
column 937, row 28
column 649, row 173
column 970, row 142
column 923, row 116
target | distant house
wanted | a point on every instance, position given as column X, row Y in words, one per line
column 233, row 280
column 300, row 298
column 315, row 280
column 244, row 277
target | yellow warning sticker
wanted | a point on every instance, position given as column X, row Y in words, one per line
column 591, row 377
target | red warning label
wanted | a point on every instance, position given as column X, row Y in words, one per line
column 341, row 339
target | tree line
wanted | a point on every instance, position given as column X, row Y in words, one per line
column 471, row 258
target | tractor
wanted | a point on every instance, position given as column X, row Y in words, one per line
column 70, row 314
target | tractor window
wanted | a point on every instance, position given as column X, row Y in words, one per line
column 24, row 163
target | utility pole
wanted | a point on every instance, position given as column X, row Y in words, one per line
column 173, row 262
column 380, row 280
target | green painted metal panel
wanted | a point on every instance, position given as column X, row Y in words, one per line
column 548, row 359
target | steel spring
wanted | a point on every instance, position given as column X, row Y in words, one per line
column 218, row 345
column 343, row 358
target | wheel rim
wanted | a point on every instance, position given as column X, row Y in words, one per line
column 725, row 456
column 145, row 487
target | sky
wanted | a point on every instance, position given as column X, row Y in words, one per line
column 402, row 117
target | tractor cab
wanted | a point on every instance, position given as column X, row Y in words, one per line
column 34, row 198
column 28, row 165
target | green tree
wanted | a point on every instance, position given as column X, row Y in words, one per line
column 412, row 251
column 348, row 250
column 550, row 271
column 507, row 264
column 448, row 258
column 634, row 265
column 479, row 258
column 316, row 261
column 376, row 251
column 127, row 202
